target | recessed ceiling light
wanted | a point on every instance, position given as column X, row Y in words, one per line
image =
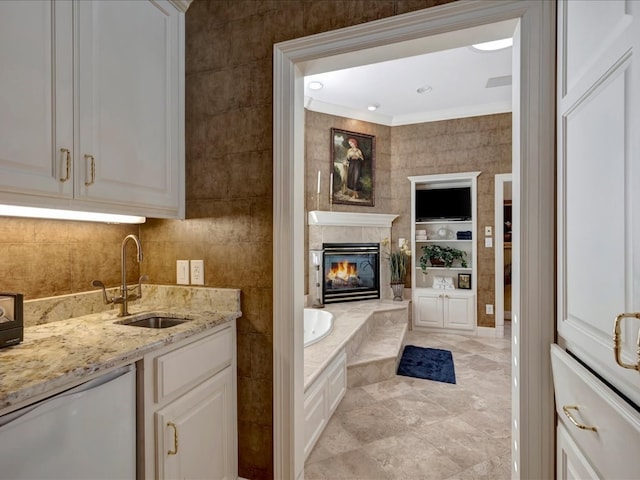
column 373, row 107
column 315, row 85
column 494, row 45
column 424, row 89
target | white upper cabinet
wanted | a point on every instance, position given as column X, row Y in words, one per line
column 36, row 98
column 120, row 132
column 128, row 103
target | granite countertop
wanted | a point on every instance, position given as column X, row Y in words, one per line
column 63, row 352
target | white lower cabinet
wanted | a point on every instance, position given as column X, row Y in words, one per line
column 454, row 309
column 572, row 465
column 195, row 434
column 322, row 398
column 190, row 426
column 598, row 432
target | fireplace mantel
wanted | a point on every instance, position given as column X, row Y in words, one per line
column 350, row 219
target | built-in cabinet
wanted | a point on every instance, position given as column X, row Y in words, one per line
column 189, row 404
column 596, row 378
column 321, row 399
column 444, row 297
column 445, row 309
column 92, row 97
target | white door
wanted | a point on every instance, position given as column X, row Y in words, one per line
column 195, row 434
column 128, row 76
column 36, row 100
column 430, row 310
column 458, row 311
column 599, row 185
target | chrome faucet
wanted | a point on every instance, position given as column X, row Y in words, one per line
column 125, row 296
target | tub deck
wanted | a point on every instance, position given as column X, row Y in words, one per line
column 372, row 333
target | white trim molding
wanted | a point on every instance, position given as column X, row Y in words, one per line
column 350, row 219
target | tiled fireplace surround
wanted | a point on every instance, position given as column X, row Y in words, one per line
column 347, row 227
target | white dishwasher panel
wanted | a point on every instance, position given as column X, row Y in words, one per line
column 86, row 432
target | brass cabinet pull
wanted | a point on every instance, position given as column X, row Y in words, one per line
column 175, row 439
column 93, row 170
column 617, row 341
column 566, row 408
column 67, row 155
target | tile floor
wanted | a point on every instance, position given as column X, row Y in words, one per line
column 408, row 428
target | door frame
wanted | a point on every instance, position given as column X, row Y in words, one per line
column 534, row 171
column 499, row 182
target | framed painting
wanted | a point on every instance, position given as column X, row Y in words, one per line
column 352, row 168
column 464, row 281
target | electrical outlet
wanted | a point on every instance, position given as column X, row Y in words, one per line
column 489, row 309
column 488, row 242
column 182, row 272
column 197, row 272
column 401, row 242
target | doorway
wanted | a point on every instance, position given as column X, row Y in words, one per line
column 533, row 169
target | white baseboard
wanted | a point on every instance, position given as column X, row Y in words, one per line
column 487, row 332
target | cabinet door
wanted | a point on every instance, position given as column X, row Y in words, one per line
column 430, row 310
column 599, row 186
column 129, row 99
column 458, row 312
column 195, row 434
column 36, row 98
column 572, row 465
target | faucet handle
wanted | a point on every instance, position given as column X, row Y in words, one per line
column 98, row 283
column 137, row 296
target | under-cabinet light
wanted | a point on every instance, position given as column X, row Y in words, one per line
column 35, row 212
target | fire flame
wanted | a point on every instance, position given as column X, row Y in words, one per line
column 343, row 272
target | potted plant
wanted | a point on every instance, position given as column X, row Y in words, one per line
column 398, row 262
column 441, row 256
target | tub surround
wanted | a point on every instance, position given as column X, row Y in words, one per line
column 71, row 338
column 372, row 334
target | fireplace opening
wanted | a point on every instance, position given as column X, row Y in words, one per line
column 351, row 271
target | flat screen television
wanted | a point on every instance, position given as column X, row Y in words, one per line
column 443, row 203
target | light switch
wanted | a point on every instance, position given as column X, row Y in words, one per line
column 182, row 272
column 488, row 242
column 487, row 231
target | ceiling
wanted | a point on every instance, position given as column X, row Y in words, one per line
column 460, row 81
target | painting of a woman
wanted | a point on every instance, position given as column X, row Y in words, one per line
column 355, row 159
column 352, row 161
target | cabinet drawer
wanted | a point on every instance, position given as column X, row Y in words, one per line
column 613, row 448
column 198, row 360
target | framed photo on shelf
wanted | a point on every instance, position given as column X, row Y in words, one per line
column 352, row 168
column 464, row 281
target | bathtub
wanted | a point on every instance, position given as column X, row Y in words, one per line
column 317, row 325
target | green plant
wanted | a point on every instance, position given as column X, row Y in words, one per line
column 398, row 262
column 437, row 254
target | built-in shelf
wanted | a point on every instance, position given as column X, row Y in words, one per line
column 453, row 309
column 443, row 221
column 457, row 269
column 452, row 240
column 507, row 244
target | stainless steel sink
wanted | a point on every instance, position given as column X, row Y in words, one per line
column 152, row 322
